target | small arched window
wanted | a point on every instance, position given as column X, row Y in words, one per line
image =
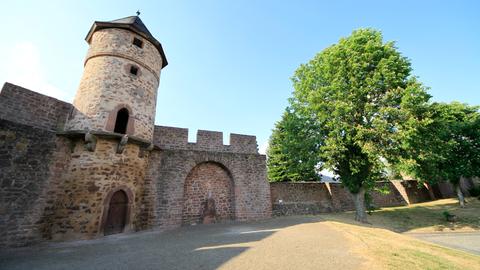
column 121, row 121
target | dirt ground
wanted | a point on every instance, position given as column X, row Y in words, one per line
column 280, row 243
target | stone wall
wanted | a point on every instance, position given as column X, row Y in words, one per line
column 26, row 156
column 300, row 198
column 208, row 180
column 23, row 106
column 81, row 196
column 174, row 138
column 54, row 188
column 413, row 192
column 290, row 198
column 169, row 169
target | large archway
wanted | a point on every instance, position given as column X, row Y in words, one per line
column 208, row 180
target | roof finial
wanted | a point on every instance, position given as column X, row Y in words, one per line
column 138, row 12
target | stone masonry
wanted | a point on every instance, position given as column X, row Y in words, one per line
column 61, row 164
column 302, row 198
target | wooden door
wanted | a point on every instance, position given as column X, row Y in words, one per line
column 117, row 213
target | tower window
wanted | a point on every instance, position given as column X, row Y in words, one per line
column 134, row 70
column 137, row 42
column 121, row 121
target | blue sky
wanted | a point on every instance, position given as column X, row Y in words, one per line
column 230, row 62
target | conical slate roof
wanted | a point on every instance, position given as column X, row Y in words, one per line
column 132, row 23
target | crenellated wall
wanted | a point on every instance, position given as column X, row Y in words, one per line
column 177, row 138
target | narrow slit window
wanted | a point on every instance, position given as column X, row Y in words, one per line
column 122, row 121
column 133, row 70
column 137, row 42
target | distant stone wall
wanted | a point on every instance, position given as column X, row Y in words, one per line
column 289, row 198
column 26, row 155
column 413, row 192
column 444, row 190
column 23, row 106
column 174, row 138
column 300, row 198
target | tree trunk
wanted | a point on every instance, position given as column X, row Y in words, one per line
column 461, row 198
column 359, row 201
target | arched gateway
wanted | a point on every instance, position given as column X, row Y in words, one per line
column 207, row 181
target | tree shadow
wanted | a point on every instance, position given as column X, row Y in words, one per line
column 429, row 216
column 192, row 247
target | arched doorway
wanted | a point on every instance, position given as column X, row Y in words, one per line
column 117, row 213
column 208, row 180
column 121, row 121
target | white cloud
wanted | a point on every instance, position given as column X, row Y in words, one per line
column 24, row 68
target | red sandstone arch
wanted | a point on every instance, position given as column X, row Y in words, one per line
column 208, row 178
column 106, row 206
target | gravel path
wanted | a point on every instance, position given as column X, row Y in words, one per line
column 466, row 241
column 281, row 243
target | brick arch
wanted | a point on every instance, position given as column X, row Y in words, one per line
column 106, row 205
column 112, row 118
column 208, row 179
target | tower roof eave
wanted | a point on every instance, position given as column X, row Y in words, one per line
column 132, row 23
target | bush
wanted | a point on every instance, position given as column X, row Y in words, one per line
column 474, row 191
column 446, row 214
column 449, row 217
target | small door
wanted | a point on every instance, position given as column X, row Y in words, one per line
column 117, row 213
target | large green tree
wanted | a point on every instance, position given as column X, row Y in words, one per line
column 356, row 89
column 293, row 147
column 445, row 146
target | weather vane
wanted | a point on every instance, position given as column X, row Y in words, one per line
column 138, row 12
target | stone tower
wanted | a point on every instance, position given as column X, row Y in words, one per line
column 102, row 188
column 118, row 90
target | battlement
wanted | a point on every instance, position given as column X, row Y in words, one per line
column 174, row 138
column 23, row 106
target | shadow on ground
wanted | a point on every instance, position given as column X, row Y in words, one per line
column 194, row 247
column 420, row 216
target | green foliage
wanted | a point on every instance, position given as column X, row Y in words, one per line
column 293, row 149
column 445, row 145
column 474, row 191
column 359, row 91
column 383, row 189
column 446, row 214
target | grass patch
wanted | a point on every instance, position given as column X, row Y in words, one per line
column 381, row 243
column 389, row 250
column 422, row 217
